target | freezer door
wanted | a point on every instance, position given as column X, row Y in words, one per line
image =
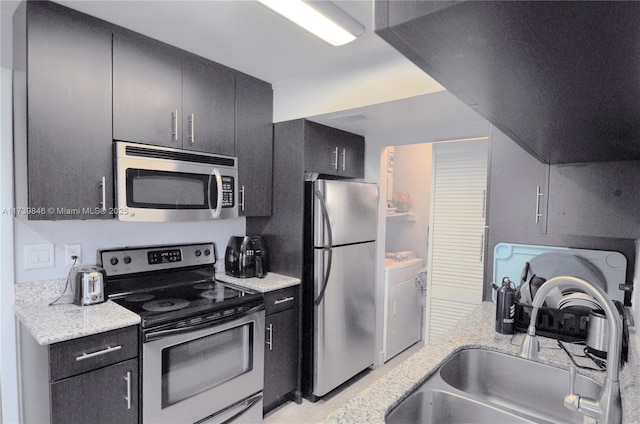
column 352, row 208
column 345, row 318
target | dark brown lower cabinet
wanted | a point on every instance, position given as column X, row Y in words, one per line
column 106, row 395
column 281, row 358
column 91, row 379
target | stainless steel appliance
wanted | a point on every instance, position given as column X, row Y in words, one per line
column 202, row 340
column 246, row 257
column 339, row 283
column 598, row 333
column 163, row 184
column 88, row 285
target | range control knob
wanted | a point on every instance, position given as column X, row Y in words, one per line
column 127, row 260
column 114, row 261
column 207, row 252
column 198, row 253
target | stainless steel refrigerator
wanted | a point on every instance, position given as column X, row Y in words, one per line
column 339, row 283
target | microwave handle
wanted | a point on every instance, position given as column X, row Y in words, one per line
column 216, row 212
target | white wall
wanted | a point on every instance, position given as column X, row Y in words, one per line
column 381, row 78
column 8, row 368
column 93, row 235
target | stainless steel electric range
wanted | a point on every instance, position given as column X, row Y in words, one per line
column 202, row 339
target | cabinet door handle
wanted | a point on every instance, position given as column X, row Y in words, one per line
column 482, row 247
column 344, row 159
column 242, row 198
column 270, row 338
column 335, row 163
column 103, row 204
column 128, row 397
column 109, row 349
column 279, row 301
column 539, row 194
column 192, row 134
column 174, row 126
column 394, row 307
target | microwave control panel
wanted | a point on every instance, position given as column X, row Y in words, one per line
column 228, row 200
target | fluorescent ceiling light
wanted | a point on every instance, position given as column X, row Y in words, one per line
column 316, row 22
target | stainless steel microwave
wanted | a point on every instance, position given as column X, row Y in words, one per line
column 162, row 184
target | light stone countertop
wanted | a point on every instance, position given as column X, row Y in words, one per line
column 65, row 321
column 475, row 331
column 270, row 282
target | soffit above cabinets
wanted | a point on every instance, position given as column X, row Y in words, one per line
column 561, row 79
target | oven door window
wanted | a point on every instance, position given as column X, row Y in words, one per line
column 198, row 365
column 169, row 190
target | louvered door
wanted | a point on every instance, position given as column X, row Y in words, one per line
column 457, row 232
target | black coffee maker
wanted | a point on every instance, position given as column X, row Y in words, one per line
column 246, row 257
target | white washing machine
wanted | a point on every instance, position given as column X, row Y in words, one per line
column 402, row 306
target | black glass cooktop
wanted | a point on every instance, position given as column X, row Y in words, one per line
column 183, row 298
column 172, row 285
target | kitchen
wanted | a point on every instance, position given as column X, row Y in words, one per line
column 94, row 235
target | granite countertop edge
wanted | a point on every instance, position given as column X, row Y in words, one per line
column 270, row 282
column 64, row 321
column 475, row 331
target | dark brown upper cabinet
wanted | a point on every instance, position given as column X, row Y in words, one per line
column 332, row 151
column 208, row 96
column 165, row 96
column 254, row 145
column 557, row 77
column 89, row 82
column 62, row 65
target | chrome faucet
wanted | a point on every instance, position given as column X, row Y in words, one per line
column 608, row 407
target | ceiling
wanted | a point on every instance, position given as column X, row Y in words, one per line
column 241, row 34
column 246, row 36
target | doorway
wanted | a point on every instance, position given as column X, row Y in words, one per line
column 436, row 200
column 407, row 190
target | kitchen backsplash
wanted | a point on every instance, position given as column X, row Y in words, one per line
column 94, row 235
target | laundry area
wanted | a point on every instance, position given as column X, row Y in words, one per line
column 408, row 194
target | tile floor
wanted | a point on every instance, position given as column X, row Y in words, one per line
column 308, row 412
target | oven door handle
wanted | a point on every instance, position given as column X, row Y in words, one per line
column 155, row 335
column 245, row 405
column 248, row 404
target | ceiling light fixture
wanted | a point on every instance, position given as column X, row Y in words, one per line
column 321, row 18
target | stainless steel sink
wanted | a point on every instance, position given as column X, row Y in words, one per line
column 478, row 386
column 437, row 406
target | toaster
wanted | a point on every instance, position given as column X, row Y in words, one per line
column 88, row 285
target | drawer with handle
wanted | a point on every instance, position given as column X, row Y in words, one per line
column 280, row 300
column 91, row 352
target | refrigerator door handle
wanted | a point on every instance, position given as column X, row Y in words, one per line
column 328, row 248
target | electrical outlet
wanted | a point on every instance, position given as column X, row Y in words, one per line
column 71, row 250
